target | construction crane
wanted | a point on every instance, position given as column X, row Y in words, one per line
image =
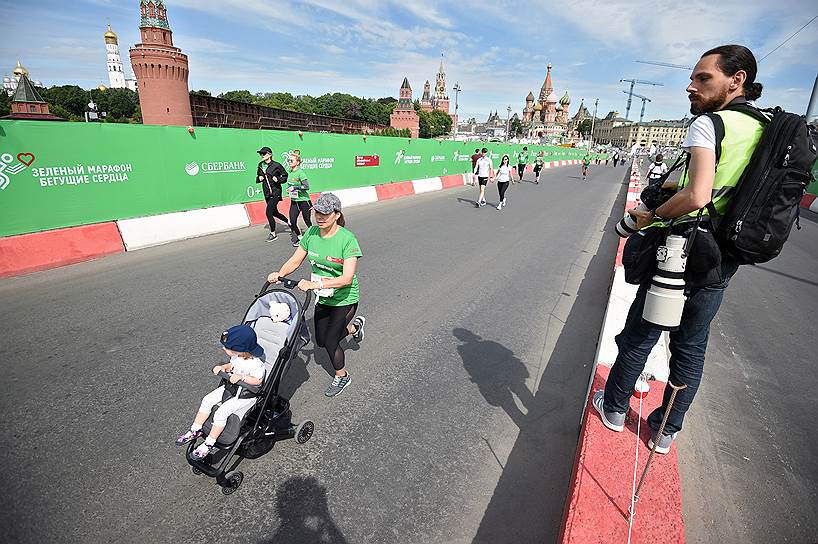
column 630, row 92
column 644, row 100
column 665, row 64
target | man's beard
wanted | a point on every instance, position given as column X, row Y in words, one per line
column 705, row 106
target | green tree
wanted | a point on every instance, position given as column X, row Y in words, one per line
column 584, row 127
column 201, row 92
column 72, row 98
column 240, row 96
column 516, row 128
column 434, row 123
column 5, row 103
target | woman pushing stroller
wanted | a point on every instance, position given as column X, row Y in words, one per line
column 333, row 252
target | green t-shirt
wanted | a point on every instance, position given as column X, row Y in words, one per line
column 294, row 180
column 326, row 255
column 586, row 161
column 522, row 158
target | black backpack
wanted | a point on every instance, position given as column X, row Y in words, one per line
column 759, row 217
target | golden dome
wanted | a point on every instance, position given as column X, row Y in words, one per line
column 102, row 88
column 110, row 35
column 19, row 71
column 538, row 107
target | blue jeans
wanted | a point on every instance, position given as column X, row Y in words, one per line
column 687, row 348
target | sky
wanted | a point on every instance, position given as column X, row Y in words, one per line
column 497, row 52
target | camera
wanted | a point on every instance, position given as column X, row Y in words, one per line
column 665, row 299
column 652, row 197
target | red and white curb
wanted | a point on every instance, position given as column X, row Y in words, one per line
column 810, row 202
column 601, row 482
column 27, row 253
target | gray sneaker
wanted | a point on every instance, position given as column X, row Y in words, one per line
column 613, row 420
column 358, row 322
column 338, row 384
column 272, row 237
column 664, row 443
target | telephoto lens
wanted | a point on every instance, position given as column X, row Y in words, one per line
column 627, row 225
column 665, row 299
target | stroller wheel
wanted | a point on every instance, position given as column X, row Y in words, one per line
column 234, row 480
column 304, row 432
column 196, row 471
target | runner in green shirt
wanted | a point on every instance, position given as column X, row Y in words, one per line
column 586, row 162
column 539, row 161
column 333, row 252
column 298, row 189
column 522, row 163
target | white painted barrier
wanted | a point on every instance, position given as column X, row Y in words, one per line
column 356, row 196
column 143, row 232
column 427, row 185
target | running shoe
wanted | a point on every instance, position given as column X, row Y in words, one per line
column 338, row 384
column 358, row 322
column 201, row 452
column 613, row 420
column 505, row 203
column 663, row 444
column 499, row 206
column 189, row 436
column 295, row 243
column 481, row 203
column 272, row 237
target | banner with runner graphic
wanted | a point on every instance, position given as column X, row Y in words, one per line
column 56, row 175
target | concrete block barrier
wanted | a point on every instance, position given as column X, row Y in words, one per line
column 54, row 248
column 150, row 231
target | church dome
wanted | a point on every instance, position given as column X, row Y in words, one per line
column 538, row 107
column 551, row 98
column 19, row 70
column 102, row 88
column 530, row 97
column 559, row 107
column 110, row 35
column 565, row 100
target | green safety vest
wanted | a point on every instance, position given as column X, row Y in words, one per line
column 733, row 152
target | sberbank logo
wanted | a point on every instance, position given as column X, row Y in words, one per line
column 215, row 167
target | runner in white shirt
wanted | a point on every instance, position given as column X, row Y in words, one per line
column 484, row 170
column 503, row 178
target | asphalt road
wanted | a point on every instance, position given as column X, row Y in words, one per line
column 747, row 456
column 460, row 423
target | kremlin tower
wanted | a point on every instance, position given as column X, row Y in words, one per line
column 116, row 75
column 404, row 114
column 161, row 70
column 441, row 100
column 426, row 100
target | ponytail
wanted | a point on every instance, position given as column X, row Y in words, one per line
column 341, row 221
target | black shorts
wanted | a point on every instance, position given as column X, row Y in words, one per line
column 521, row 169
column 482, row 181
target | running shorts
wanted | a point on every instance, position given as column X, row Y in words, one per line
column 482, row 181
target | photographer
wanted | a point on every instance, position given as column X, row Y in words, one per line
column 656, row 170
column 724, row 77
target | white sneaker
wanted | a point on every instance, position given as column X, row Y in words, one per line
column 499, row 206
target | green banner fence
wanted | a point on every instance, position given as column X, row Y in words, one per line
column 56, row 175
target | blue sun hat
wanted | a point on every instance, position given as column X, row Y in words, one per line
column 243, row 339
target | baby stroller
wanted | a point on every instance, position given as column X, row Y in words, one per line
column 254, row 432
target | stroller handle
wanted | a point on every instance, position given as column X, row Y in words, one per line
column 290, row 284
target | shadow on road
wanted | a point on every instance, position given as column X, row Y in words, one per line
column 301, row 505
column 497, row 372
column 528, row 501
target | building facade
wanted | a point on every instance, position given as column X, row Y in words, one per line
column 161, row 69
column 116, row 72
column 404, row 114
column 619, row 132
column 27, row 104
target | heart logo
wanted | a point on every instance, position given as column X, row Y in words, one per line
column 25, row 158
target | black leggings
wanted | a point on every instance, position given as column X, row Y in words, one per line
column 303, row 207
column 501, row 188
column 521, row 170
column 331, row 327
column 273, row 213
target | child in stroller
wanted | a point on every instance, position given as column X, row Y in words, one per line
column 245, row 368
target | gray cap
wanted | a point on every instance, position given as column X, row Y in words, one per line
column 327, row 203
